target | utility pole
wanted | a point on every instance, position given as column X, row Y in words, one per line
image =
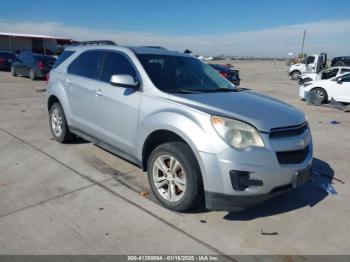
column 302, row 47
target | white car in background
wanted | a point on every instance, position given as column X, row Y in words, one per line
column 337, row 88
column 323, row 75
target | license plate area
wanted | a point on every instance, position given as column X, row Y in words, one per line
column 301, row 177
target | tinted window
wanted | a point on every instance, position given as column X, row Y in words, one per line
column 346, row 78
column 116, row 64
column 345, row 70
column 88, row 64
column 183, row 74
column 310, row 59
column 21, row 56
column 330, row 73
column 62, row 58
column 7, row 55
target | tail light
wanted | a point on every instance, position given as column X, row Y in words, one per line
column 41, row 65
column 47, row 77
column 224, row 74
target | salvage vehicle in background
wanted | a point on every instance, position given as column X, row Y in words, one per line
column 195, row 134
column 6, row 60
column 230, row 74
column 323, row 75
column 311, row 64
column 32, row 65
column 341, row 61
column 337, row 88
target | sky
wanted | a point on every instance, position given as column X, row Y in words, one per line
column 249, row 27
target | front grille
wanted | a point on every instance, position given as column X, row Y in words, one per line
column 288, row 131
column 293, row 157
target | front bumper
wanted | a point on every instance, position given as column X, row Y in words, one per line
column 262, row 164
column 302, row 92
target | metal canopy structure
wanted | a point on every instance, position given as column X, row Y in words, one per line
column 35, row 43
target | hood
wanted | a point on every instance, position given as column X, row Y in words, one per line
column 259, row 110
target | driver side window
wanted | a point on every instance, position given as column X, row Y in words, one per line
column 310, row 59
column 346, row 78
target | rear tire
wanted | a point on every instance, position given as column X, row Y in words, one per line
column 13, row 71
column 174, row 176
column 321, row 93
column 32, row 74
column 58, row 124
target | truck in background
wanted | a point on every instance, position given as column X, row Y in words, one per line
column 311, row 64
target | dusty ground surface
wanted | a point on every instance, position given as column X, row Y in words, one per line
column 79, row 199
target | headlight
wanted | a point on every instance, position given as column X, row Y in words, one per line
column 236, row 133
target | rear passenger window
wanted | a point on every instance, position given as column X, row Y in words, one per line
column 62, row 58
column 116, row 64
column 88, row 64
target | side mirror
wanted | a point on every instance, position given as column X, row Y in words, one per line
column 339, row 80
column 126, row 81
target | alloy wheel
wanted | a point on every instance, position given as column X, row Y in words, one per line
column 169, row 178
column 56, row 122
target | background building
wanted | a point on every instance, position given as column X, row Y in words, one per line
column 41, row 44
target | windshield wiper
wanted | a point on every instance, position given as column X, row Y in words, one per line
column 186, row 91
column 217, row 90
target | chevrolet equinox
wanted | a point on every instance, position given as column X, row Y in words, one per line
column 196, row 135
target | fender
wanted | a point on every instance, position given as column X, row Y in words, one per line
column 59, row 91
column 191, row 129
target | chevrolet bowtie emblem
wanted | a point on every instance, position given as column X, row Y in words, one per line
column 301, row 143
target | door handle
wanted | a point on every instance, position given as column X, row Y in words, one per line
column 98, row 92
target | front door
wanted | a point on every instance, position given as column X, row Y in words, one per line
column 116, row 109
column 341, row 91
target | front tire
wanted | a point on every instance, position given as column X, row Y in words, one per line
column 321, row 94
column 58, row 124
column 174, row 176
column 295, row 75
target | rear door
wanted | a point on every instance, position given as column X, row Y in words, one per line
column 81, row 80
column 27, row 63
column 341, row 91
column 116, row 108
column 20, row 64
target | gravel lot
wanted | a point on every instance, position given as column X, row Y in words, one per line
column 79, row 199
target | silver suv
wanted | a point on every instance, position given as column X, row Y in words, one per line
column 196, row 135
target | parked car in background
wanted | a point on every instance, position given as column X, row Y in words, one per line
column 323, row 75
column 230, row 74
column 195, row 134
column 32, row 65
column 341, row 61
column 337, row 88
column 6, row 60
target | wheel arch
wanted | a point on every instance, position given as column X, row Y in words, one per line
column 320, row 87
column 51, row 100
column 295, row 70
column 158, row 137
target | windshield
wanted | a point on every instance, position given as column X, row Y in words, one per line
column 7, row 55
column 178, row 74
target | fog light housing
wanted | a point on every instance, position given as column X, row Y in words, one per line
column 240, row 180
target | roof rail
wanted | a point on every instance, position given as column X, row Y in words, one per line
column 95, row 42
column 157, row 47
